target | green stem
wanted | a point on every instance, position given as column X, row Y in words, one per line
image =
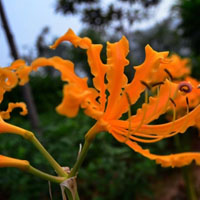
column 186, row 171
column 89, row 137
column 189, row 183
column 80, row 159
column 77, row 196
column 31, row 137
column 44, row 175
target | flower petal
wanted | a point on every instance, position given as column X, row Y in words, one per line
column 116, row 61
column 180, row 125
column 74, row 39
column 21, row 70
column 65, row 67
column 73, row 97
column 173, row 160
column 11, row 106
column 177, row 67
column 98, row 69
column 143, row 72
column 8, row 79
column 157, row 105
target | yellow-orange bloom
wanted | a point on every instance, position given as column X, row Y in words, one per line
column 109, row 99
column 176, row 66
column 12, row 162
column 8, row 80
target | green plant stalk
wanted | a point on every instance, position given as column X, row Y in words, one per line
column 77, row 196
column 189, row 184
column 59, row 170
column 89, row 137
column 44, row 175
column 80, row 159
column 186, row 174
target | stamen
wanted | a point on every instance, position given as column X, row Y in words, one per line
column 172, row 101
column 146, row 85
column 136, row 138
column 157, row 84
column 129, row 116
column 185, row 87
column 174, row 116
column 157, row 101
column 187, row 102
column 169, row 74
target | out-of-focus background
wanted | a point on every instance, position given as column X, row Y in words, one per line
column 111, row 170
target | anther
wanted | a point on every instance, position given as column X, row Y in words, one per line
column 172, row 102
column 187, row 101
column 157, row 84
column 146, row 85
column 169, row 74
column 185, row 87
column 128, row 98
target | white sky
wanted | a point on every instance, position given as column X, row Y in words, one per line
column 27, row 18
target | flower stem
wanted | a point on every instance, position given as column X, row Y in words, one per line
column 31, row 137
column 45, row 176
column 80, row 159
column 186, row 172
column 89, row 137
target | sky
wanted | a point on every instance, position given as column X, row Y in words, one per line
column 28, row 18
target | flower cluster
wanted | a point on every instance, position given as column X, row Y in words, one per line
column 112, row 95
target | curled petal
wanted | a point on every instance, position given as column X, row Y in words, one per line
column 2, row 91
column 179, row 126
column 8, row 79
column 12, row 162
column 11, row 106
column 157, row 105
column 16, row 64
column 74, row 39
column 157, row 132
column 173, row 160
column 23, row 74
column 22, row 71
column 116, row 61
column 177, row 68
column 143, row 72
column 65, row 67
column 98, row 69
column 74, row 98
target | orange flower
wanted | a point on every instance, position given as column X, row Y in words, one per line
column 12, row 162
column 8, row 80
column 193, row 96
column 109, row 99
column 9, row 128
column 175, row 66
